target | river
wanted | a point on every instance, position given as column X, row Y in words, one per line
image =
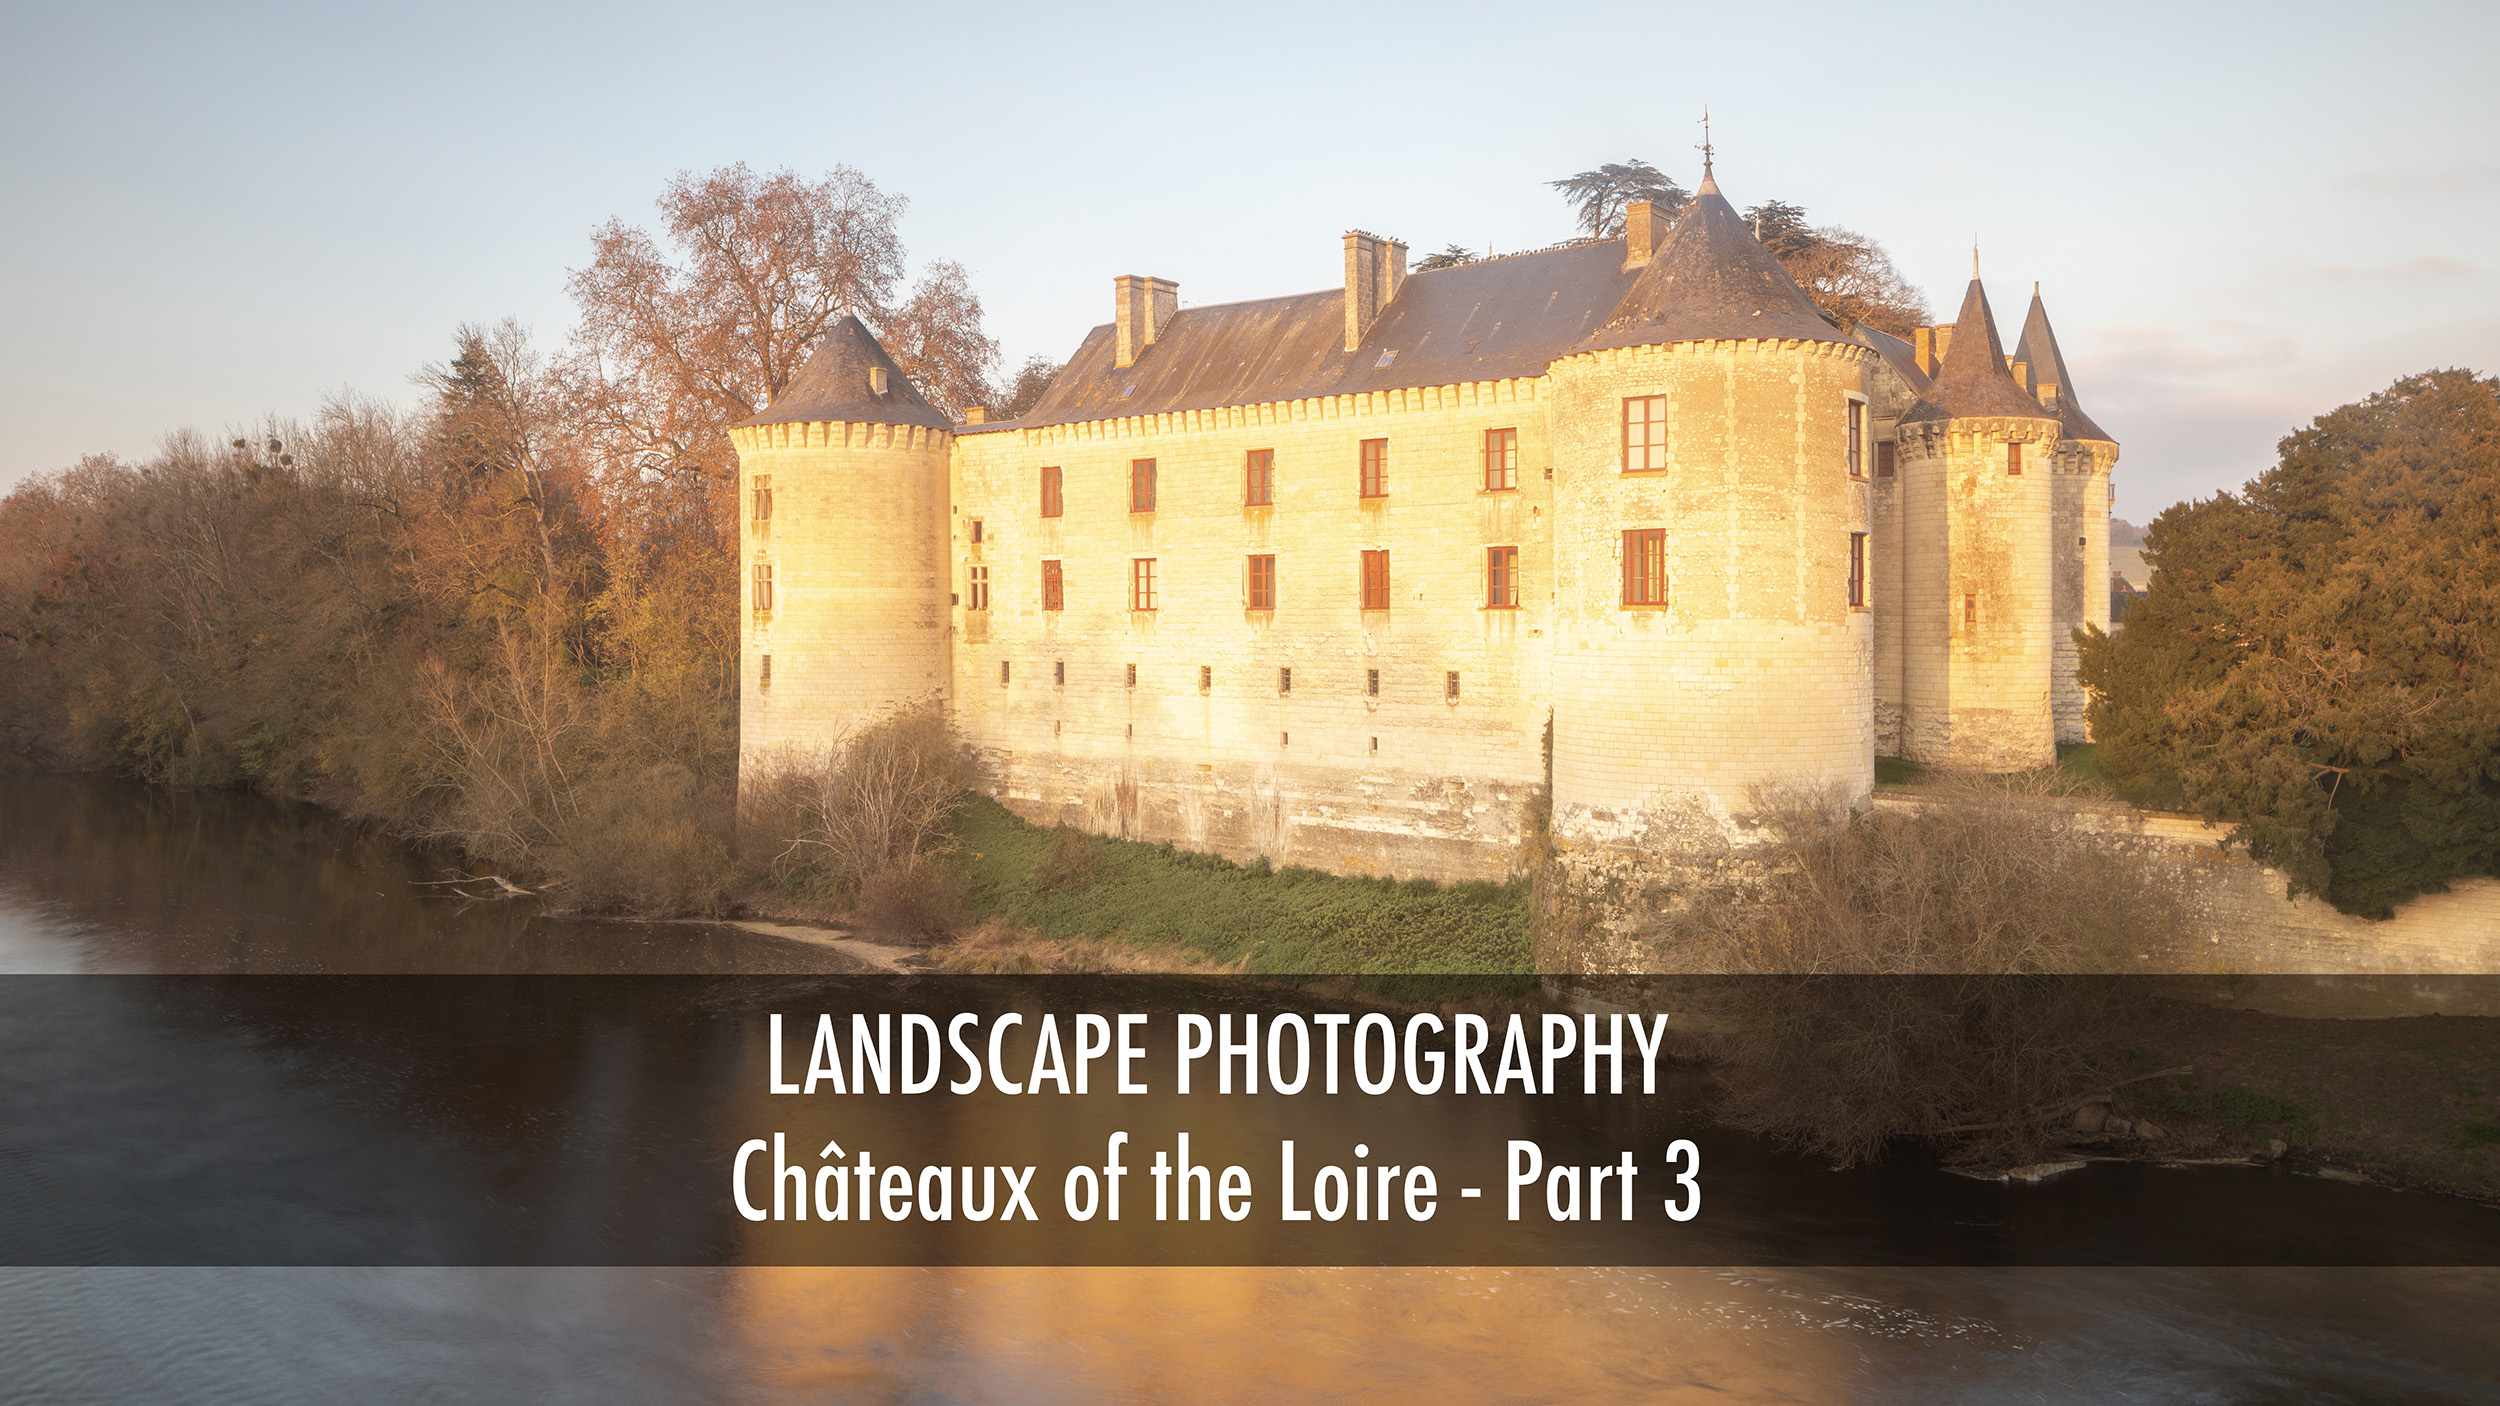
column 98, row 877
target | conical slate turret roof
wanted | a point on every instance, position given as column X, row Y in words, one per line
column 2038, row 350
column 1974, row 379
column 834, row 385
column 1711, row 280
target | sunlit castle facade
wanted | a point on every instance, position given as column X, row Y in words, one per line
column 1358, row 578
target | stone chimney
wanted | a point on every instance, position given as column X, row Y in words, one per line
column 2021, row 370
column 976, row 414
column 1924, row 341
column 1374, row 270
column 1144, row 308
column 1643, row 226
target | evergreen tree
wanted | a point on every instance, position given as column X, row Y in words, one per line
column 2314, row 660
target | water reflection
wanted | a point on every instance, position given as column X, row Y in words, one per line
column 100, row 877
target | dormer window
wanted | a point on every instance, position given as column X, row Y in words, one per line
column 1385, row 359
column 876, row 380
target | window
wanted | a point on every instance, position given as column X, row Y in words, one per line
column 2014, row 460
column 763, row 497
column 1002, row 672
column 976, row 532
column 1501, row 460
column 1375, row 580
column 1451, row 687
column 1284, row 680
column 1263, row 583
column 1206, row 677
column 1051, row 502
column 764, row 672
column 1371, row 682
column 977, row 592
column 1970, row 612
column 1132, row 676
column 1258, row 478
column 1883, row 458
column 1054, row 589
column 763, row 588
column 1645, row 566
column 1501, row 577
column 1141, row 583
column 1857, row 439
column 1857, row 568
column 1644, row 433
column 1375, row 468
column 1141, row 485
column 1059, row 673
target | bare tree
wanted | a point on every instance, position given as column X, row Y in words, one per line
column 935, row 337
column 677, row 342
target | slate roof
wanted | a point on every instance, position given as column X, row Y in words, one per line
column 1898, row 354
column 1974, row 379
column 2038, row 348
column 1494, row 318
column 1712, row 279
column 833, row 385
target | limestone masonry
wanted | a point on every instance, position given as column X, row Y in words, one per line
column 1351, row 578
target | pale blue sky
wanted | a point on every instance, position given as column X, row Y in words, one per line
column 2242, row 215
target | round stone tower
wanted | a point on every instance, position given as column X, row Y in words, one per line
column 1978, row 468
column 843, row 524
column 1711, row 631
column 2079, row 509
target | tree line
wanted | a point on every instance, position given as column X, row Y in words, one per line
column 506, row 617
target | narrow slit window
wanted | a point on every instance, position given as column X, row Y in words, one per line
column 977, row 588
column 1645, row 566
column 1374, row 481
column 1258, row 478
column 1644, row 433
column 1059, row 673
column 1284, row 680
column 1375, row 580
column 1263, row 582
column 1857, row 439
column 764, row 672
column 1450, row 687
column 1970, row 612
column 1003, row 671
column 1501, row 577
column 1501, row 460
column 1141, row 485
column 1141, row 583
column 1052, row 503
column 2014, row 460
column 1857, row 568
column 1054, row 587
column 1132, row 676
column 1206, row 677
column 763, row 497
column 1371, row 682
column 1884, row 451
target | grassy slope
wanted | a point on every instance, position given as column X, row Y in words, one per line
column 1294, row 920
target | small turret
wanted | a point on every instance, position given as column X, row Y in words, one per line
column 1976, row 457
column 2079, row 535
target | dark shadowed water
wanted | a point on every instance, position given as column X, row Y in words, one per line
column 96, row 877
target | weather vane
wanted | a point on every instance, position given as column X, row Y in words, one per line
column 1705, row 141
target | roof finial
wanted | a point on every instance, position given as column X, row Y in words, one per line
column 1705, row 141
column 1974, row 255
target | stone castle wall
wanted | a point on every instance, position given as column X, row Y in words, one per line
column 1409, row 782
